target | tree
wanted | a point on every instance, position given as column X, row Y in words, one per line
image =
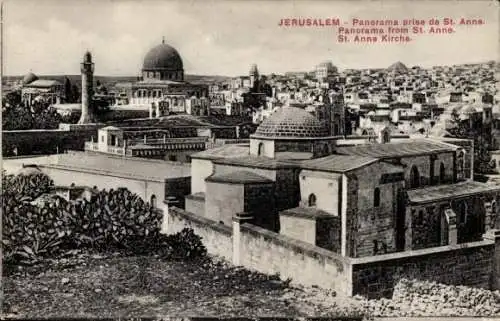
column 68, row 90
column 40, row 116
column 75, row 94
column 482, row 157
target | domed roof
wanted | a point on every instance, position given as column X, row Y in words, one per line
column 291, row 122
column 29, row 78
column 162, row 56
column 398, row 67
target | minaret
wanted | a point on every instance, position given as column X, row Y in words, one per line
column 254, row 75
column 87, row 68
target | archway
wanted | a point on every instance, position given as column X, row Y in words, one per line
column 153, row 201
column 442, row 173
column 260, row 150
column 414, row 177
column 312, row 200
column 376, row 197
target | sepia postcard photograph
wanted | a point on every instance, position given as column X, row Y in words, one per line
column 279, row 160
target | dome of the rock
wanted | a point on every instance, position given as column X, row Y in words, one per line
column 162, row 57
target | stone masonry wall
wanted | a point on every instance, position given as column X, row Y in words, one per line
column 223, row 201
column 217, row 238
column 260, row 203
column 426, row 225
column 328, row 233
column 30, row 142
column 375, row 228
column 271, row 253
column 469, row 265
column 195, row 204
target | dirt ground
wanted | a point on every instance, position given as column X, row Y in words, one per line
column 115, row 286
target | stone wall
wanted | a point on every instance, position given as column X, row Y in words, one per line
column 40, row 141
column 426, row 226
column 200, row 169
column 470, row 265
column 223, row 201
column 423, row 164
column 375, row 224
column 287, row 188
column 328, row 233
column 66, row 176
column 304, row 263
column 178, row 187
column 260, row 203
column 299, row 228
column 195, row 204
column 216, row 237
column 324, row 186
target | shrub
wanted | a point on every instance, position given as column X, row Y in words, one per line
column 37, row 224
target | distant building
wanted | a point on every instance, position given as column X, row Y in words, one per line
column 162, row 82
column 46, row 90
column 324, row 71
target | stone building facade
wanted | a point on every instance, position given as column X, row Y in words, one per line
column 359, row 201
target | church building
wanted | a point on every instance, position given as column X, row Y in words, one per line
column 296, row 179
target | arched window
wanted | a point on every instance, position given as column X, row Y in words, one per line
column 461, row 164
column 386, row 138
column 376, row 197
column 442, row 173
column 153, row 200
column 261, row 149
column 312, row 200
column 414, row 177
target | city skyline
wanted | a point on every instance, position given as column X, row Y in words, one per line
column 225, row 38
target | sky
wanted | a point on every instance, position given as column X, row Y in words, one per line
column 225, row 37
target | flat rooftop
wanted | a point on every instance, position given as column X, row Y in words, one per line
column 107, row 165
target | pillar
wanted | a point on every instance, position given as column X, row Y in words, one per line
column 451, row 226
column 169, row 201
column 238, row 220
column 164, row 222
column 145, row 138
column 494, row 235
column 408, row 230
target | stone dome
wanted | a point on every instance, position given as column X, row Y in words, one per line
column 291, row 122
column 398, row 67
column 29, row 78
column 162, row 57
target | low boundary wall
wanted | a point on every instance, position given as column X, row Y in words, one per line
column 471, row 264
